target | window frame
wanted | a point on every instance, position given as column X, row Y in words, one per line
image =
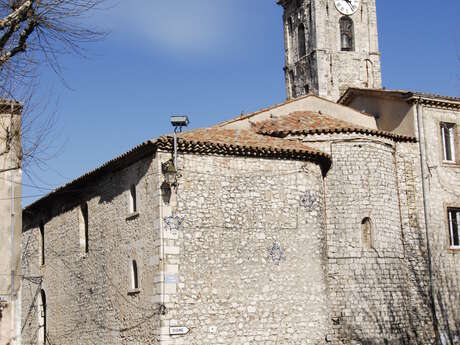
column 452, row 128
column 42, row 316
column 134, row 277
column 133, row 202
column 301, row 41
column 450, row 227
column 292, row 84
column 348, row 20
column 132, row 199
column 42, row 244
column 83, row 222
column 369, row 234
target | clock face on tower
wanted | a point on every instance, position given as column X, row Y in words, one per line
column 347, row 7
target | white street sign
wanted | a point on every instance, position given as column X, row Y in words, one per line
column 178, row 330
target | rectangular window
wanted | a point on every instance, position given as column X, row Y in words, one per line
column 42, row 244
column 448, row 141
column 453, row 216
column 132, row 199
column 83, row 224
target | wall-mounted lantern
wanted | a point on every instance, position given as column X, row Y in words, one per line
column 170, row 173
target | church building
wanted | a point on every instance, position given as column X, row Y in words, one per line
column 332, row 218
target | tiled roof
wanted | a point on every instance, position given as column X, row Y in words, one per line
column 307, row 123
column 200, row 141
column 248, row 142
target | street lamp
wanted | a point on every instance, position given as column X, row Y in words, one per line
column 178, row 121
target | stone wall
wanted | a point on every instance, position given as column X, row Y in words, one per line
column 88, row 296
column 443, row 186
column 379, row 291
column 250, row 253
column 10, row 221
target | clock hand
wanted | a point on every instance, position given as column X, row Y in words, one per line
column 350, row 4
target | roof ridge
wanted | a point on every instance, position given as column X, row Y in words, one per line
column 251, row 114
column 336, row 126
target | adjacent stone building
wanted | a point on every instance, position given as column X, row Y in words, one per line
column 436, row 121
column 309, row 222
column 10, row 222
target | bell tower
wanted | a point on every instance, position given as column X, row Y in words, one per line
column 330, row 45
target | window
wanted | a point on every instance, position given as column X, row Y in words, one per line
column 290, row 27
column 366, row 230
column 292, row 83
column 132, row 199
column 83, row 224
column 448, row 141
column 42, row 318
column 453, row 216
column 134, row 276
column 42, row 244
column 301, row 40
column 347, row 34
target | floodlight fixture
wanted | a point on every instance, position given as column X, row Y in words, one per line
column 179, row 121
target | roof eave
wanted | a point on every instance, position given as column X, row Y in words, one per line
column 402, row 95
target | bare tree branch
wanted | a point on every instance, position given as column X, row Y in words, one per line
column 32, row 33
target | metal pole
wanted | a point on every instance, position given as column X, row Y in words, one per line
column 175, row 147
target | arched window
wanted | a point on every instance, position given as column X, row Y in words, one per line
column 83, row 223
column 301, row 40
column 347, row 35
column 42, row 318
column 366, row 230
column 134, row 276
column 42, row 244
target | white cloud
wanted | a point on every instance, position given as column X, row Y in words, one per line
column 181, row 26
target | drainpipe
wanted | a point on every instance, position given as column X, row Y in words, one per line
column 425, row 211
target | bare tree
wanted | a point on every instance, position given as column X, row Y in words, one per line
column 33, row 33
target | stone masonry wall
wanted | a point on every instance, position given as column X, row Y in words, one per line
column 250, row 253
column 10, row 216
column 89, row 298
column 443, row 186
column 379, row 293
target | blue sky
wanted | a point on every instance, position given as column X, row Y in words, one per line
column 211, row 60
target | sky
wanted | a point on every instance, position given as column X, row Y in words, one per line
column 211, row 60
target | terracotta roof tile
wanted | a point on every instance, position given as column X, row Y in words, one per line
column 307, row 123
column 199, row 141
column 251, row 142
